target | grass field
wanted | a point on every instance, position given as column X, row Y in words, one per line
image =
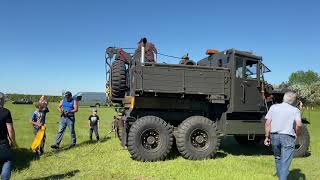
column 107, row 159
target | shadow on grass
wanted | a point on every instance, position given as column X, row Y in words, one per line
column 84, row 143
column 296, row 174
column 58, row 176
column 22, row 158
column 230, row 146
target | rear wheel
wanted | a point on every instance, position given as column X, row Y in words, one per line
column 150, row 139
column 302, row 143
column 197, row 138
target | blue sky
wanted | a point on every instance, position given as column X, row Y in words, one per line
column 50, row 46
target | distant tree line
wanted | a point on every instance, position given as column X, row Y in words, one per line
column 34, row 98
column 306, row 84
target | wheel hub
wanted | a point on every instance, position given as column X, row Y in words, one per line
column 199, row 138
column 150, row 139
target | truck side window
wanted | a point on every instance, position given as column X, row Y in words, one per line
column 251, row 69
column 239, row 68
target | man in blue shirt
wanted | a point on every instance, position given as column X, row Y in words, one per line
column 283, row 124
column 67, row 107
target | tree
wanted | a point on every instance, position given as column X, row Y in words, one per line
column 308, row 93
column 303, row 77
column 307, row 86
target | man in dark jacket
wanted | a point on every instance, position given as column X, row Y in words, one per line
column 7, row 139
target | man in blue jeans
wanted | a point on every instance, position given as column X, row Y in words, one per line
column 283, row 124
column 7, row 139
column 67, row 107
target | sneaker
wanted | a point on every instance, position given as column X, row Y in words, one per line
column 54, row 146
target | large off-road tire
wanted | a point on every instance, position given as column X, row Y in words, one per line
column 150, row 139
column 118, row 79
column 197, row 138
column 243, row 139
column 302, row 143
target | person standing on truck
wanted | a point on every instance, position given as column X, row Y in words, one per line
column 283, row 124
column 184, row 59
column 7, row 139
column 150, row 51
column 67, row 107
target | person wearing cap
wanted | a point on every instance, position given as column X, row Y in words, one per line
column 67, row 107
column 150, row 51
column 7, row 139
column 93, row 124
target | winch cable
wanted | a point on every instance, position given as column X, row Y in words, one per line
column 169, row 56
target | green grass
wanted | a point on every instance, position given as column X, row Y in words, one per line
column 107, row 159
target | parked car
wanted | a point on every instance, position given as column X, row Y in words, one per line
column 23, row 101
column 91, row 98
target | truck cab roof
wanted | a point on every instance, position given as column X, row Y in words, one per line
column 222, row 59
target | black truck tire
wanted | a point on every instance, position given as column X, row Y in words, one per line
column 302, row 143
column 197, row 138
column 243, row 139
column 118, row 79
column 150, row 139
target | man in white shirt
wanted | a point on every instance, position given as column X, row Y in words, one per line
column 283, row 124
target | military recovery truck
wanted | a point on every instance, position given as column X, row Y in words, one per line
column 191, row 105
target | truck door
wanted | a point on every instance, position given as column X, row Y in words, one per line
column 247, row 96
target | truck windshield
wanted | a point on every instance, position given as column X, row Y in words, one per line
column 251, row 69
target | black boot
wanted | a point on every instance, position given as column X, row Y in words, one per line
column 55, row 146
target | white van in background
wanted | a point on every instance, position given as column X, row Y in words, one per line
column 91, row 98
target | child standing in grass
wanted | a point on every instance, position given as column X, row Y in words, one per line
column 38, row 120
column 94, row 124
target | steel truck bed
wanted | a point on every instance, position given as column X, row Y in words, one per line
column 184, row 79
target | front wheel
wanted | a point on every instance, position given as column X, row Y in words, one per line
column 302, row 143
column 150, row 139
column 197, row 138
